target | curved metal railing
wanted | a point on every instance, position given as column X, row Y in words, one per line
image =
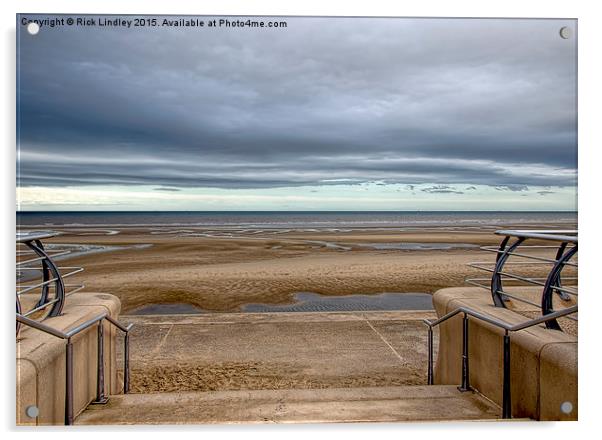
column 39, row 279
column 528, row 249
column 48, row 291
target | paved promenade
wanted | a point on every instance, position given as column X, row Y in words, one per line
column 218, row 352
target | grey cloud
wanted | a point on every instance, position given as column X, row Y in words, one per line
column 512, row 188
column 167, row 189
column 470, row 188
column 319, row 101
column 310, row 171
column 441, row 189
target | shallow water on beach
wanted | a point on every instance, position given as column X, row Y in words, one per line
column 417, row 246
column 311, row 302
column 314, row 302
column 80, row 250
column 397, row 246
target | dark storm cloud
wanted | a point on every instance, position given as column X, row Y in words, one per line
column 322, row 102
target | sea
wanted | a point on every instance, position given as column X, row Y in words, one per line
column 297, row 219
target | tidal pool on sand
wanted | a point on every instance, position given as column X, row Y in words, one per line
column 311, row 302
column 314, row 302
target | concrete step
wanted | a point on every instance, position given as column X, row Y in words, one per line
column 330, row 405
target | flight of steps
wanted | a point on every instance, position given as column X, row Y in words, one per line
column 367, row 404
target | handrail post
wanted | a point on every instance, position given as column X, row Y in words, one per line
column 100, row 373
column 507, row 398
column 430, row 379
column 69, row 383
column 126, row 363
column 465, row 371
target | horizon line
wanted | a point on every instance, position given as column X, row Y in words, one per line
column 292, row 211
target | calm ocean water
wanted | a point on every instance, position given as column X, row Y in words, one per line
column 313, row 219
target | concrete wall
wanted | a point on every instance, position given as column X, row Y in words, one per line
column 543, row 362
column 41, row 361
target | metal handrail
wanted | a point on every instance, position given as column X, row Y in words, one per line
column 29, row 288
column 530, row 257
column 51, row 275
column 24, row 237
column 566, row 249
column 532, row 280
column 548, row 235
column 100, row 393
column 33, row 260
column 465, row 384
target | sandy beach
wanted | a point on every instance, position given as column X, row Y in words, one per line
column 224, row 270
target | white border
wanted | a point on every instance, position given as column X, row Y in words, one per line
column 589, row 144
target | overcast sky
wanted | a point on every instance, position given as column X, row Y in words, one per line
column 327, row 113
